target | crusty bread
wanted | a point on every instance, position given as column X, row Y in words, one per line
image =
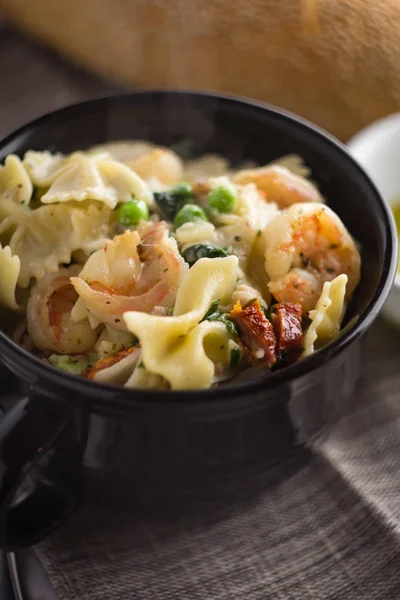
column 336, row 62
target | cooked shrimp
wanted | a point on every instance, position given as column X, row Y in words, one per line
column 137, row 271
column 279, row 185
column 159, row 166
column 49, row 315
column 306, row 245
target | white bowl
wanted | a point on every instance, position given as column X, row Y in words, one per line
column 377, row 149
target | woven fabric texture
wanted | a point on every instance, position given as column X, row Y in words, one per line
column 327, row 529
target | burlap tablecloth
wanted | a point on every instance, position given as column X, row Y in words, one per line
column 328, row 529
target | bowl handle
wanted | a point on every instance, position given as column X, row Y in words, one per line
column 30, row 512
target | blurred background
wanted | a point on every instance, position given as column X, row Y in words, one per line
column 35, row 80
column 336, row 62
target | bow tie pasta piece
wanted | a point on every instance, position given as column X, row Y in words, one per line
column 142, row 379
column 9, row 273
column 171, row 346
column 12, row 215
column 46, row 237
column 181, row 358
column 15, row 184
column 43, row 167
column 327, row 317
column 138, row 270
column 83, row 177
column 207, row 280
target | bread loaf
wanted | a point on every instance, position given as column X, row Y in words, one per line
column 336, row 62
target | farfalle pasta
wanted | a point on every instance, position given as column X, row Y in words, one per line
column 80, row 177
column 15, row 184
column 48, row 236
column 9, row 268
column 130, row 266
column 170, row 343
column 327, row 316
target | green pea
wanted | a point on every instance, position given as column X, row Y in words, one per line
column 222, row 198
column 131, row 212
column 190, row 213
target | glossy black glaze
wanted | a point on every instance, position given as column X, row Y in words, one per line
column 6, row 592
column 159, row 449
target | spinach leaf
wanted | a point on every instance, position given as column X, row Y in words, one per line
column 194, row 253
column 213, row 314
column 235, row 357
column 171, row 201
column 212, row 311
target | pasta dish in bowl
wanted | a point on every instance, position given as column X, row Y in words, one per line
column 134, row 264
column 186, row 279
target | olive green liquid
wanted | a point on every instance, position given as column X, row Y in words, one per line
column 396, row 214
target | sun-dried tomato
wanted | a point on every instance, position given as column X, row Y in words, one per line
column 286, row 320
column 257, row 337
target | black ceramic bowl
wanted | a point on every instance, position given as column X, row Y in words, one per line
column 144, row 447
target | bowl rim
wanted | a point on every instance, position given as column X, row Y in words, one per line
column 111, row 394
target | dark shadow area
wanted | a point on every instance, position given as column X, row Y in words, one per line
column 35, row 80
